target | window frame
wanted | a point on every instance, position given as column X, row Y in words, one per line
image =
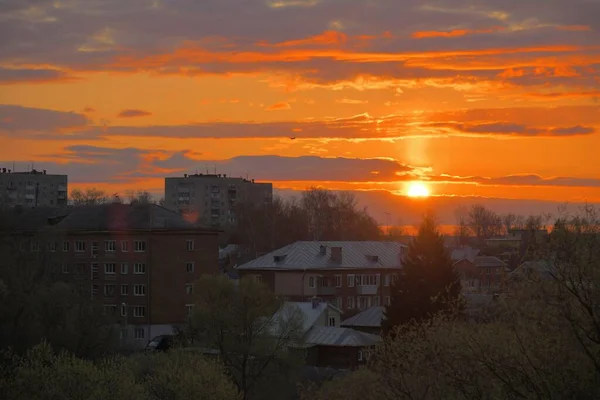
column 136, row 314
column 350, row 280
column 142, row 289
column 191, row 264
column 126, row 269
column 124, row 246
column 114, row 269
column 187, row 245
column 126, row 291
column 139, row 246
column 136, row 270
column 77, row 246
column 338, row 281
column 350, row 303
column 312, row 282
column 110, row 246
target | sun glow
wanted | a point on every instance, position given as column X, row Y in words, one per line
column 417, row 189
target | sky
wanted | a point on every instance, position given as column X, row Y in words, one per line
column 481, row 101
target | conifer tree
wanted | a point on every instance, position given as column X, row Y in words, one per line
column 427, row 283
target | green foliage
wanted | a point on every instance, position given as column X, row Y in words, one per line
column 427, row 283
column 41, row 374
column 238, row 322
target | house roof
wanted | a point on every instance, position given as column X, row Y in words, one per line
column 488, row 262
column 307, row 255
column 310, row 314
column 31, row 219
column 464, row 253
column 545, row 269
column 369, row 318
column 342, row 337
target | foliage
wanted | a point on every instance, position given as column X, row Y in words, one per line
column 427, row 283
column 318, row 215
column 42, row 374
column 541, row 340
column 238, row 322
column 90, row 196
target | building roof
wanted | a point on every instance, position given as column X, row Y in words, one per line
column 543, row 268
column 369, row 318
column 115, row 217
column 307, row 255
column 31, row 219
column 310, row 314
column 342, row 337
column 464, row 253
column 488, row 262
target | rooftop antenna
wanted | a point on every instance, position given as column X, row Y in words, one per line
column 215, row 169
column 206, row 165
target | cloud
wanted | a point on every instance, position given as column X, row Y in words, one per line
column 351, row 101
column 17, row 121
column 9, row 76
column 454, row 33
column 279, row 106
column 523, row 180
column 132, row 113
column 506, row 128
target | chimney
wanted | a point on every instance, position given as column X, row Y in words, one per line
column 336, row 254
column 323, row 250
column 315, row 301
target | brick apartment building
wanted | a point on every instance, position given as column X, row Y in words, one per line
column 349, row 275
column 139, row 261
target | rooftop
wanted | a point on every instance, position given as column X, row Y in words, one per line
column 318, row 255
column 488, row 262
column 346, row 337
column 464, row 253
column 369, row 318
column 311, row 314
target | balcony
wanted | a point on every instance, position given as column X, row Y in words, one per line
column 367, row 289
column 326, row 290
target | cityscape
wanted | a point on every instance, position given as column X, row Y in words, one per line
column 299, row 200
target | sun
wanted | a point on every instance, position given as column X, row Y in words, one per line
column 417, row 189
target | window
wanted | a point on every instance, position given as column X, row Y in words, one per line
column 189, row 308
column 65, row 246
column 190, row 244
column 139, row 290
column 110, row 309
column 109, row 290
column 138, row 333
column 110, row 246
column 311, row 281
column 110, row 268
column 376, row 301
column 124, row 290
column 386, row 280
column 360, row 355
column 350, row 303
column 139, row 268
column 124, row 246
column 124, row 268
column 362, row 302
column 139, row 311
column 388, row 300
column 367, row 280
column 394, row 277
column 53, row 247
column 189, row 288
column 332, row 321
column 350, row 282
column 189, row 267
column 338, row 281
column 123, row 309
column 258, row 278
column 79, row 246
column 65, row 268
column 340, row 302
column 139, row 246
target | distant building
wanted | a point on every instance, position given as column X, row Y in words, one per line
column 482, row 274
column 139, row 261
column 350, row 275
column 32, row 189
column 212, row 199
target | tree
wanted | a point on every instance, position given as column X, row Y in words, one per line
column 484, row 223
column 427, row 283
column 141, row 197
column 237, row 321
column 91, row 196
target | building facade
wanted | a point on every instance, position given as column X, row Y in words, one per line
column 32, row 189
column 352, row 276
column 140, row 262
column 211, row 199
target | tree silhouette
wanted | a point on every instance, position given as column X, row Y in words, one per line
column 427, row 283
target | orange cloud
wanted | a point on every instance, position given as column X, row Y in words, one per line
column 279, row 106
column 574, row 28
column 454, row 33
column 324, row 39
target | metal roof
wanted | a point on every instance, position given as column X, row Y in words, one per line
column 370, row 318
column 310, row 314
column 464, row 253
column 488, row 261
column 343, row 337
column 307, row 255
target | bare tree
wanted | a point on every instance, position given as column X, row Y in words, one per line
column 484, row 223
column 90, row 196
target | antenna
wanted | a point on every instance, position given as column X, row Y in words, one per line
column 206, row 165
column 215, row 169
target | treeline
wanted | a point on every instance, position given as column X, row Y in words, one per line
column 540, row 340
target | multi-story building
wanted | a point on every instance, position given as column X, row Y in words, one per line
column 139, row 261
column 32, row 189
column 482, row 274
column 349, row 275
column 212, row 199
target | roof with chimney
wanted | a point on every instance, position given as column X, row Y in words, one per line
column 330, row 255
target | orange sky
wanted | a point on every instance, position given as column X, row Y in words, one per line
column 494, row 99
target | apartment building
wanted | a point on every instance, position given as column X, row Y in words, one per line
column 349, row 275
column 139, row 261
column 212, row 198
column 482, row 274
column 32, row 189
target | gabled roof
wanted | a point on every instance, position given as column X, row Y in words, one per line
column 543, row 268
column 310, row 314
column 488, row 262
column 307, row 255
column 342, row 337
column 369, row 318
column 464, row 253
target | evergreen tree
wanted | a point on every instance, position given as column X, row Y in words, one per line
column 427, row 283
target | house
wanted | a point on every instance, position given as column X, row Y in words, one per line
column 481, row 274
column 368, row 321
column 541, row 269
column 139, row 261
column 349, row 275
column 324, row 342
